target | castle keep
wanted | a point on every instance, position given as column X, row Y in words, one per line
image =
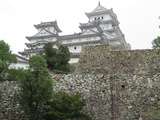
column 101, row 28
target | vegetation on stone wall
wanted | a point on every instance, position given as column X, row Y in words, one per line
column 156, row 43
column 15, row 74
column 57, row 59
column 66, row 107
column 6, row 58
column 38, row 100
column 153, row 114
column 35, row 88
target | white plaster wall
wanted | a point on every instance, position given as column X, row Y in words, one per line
column 19, row 66
column 106, row 17
column 106, row 26
column 53, row 39
column 32, row 54
column 115, row 43
column 74, row 60
column 51, row 29
column 43, row 40
column 80, row 40
column 73, row 50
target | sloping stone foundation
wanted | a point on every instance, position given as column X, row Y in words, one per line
column 117, row 85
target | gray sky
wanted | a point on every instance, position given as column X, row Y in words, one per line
column 138, row 18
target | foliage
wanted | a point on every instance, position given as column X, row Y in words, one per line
column 57, row 59
column 153, row 114
column 66, row 107
column 15, row 74
column 63, row 57
column 50, row 56
column 156, row 43
column 35, row 88
column 6, row 58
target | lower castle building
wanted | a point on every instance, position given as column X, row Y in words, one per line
column 101, row 28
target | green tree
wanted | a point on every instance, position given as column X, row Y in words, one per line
column 156, row 43
column 15, row 74
column 63, row 57
column 66, row 107
column 6, row 58
column 57, row 59
column 50, row 56
column 35, row 88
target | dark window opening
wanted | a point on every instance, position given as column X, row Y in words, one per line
column 75, row 48
column 123, row 86
column 103, row 91
column 102, row 17
column 71, row 86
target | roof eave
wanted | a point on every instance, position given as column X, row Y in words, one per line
column 56, row 27
column 28, row 38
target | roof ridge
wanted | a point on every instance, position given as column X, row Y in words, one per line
column 99, row 8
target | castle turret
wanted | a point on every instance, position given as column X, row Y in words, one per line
column 104, row 21
column 47, row 32
column 101, row 13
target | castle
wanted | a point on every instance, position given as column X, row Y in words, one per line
column 102, row 28
column 116, row 84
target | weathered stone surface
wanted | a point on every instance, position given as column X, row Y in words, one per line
column 127, row 96
column 117, row 85
column 101, row 59
column 9, row 106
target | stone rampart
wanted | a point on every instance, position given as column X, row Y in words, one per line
column 101, row 59
column 117, row 85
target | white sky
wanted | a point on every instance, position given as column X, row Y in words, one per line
column 138, row 18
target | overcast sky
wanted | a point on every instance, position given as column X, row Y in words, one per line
column 138, row 18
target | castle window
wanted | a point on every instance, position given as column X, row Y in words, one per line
column 98, row 18
column 95, row 18
column 102, row 17
column 75, row 47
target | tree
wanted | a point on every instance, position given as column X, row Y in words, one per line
column 50, row 56
column 35, row 88
column 57, row 59
column 6, row 58
column 66, row 107
column 63, row 57
column 15, row 74
column 156, row 43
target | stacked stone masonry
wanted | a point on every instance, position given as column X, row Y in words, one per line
column 117, row 85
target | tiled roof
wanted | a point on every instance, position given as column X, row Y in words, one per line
column 47, row 24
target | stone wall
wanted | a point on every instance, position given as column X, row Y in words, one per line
column 9, row 106
column 117, row 85
column 101, row 59
column 124, row 97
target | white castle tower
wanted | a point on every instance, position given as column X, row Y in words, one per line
column 101, row 28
